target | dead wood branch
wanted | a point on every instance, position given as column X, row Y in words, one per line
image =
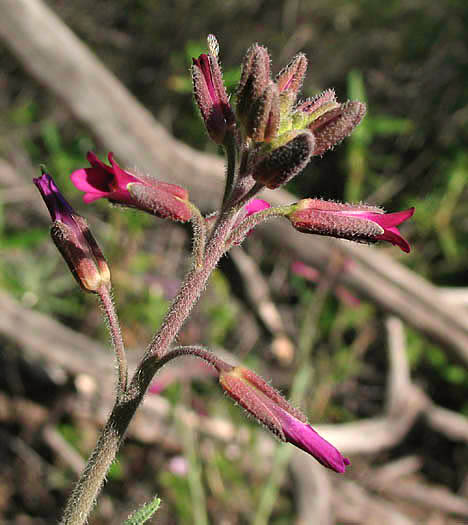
column 314, row 491
column 44, row 338
column 356, row 505
column 258, row 292
column 393, row 471
column 438, row 498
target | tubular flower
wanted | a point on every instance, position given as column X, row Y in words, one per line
column 286, row 422
column 136, row 191
column 210, row 94
column 72, row 237
column 359, row 222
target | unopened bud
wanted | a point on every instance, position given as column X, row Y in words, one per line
column 354, row 222
column 269, row 407
column 285, row 162
column 210, row 93
column 255, row 77
column 289, row 80
column 330, row 131
column 309, row 111
column 71, row 235
column 264, row 115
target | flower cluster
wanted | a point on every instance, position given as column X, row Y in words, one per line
column 269, row 135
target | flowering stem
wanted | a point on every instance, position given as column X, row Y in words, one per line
column 231, row 154
column 195, row 351
column 189, row 292
column 243, row 198
column 86, row 490
column 238, row 235
column 199, row 236
column 105, row 295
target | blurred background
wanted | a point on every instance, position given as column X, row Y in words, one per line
column 330, row 343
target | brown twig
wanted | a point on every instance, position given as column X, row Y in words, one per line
column 258, row 292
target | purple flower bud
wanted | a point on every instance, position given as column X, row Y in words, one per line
column 255, row 77
column 291, row 77
column 264, row 117
column 285, row 162
column 211, row 97
column 358, row 222
column 280, row 417
column 324, row 99
column 162, row 199
column 335, row 125
column 72, row 237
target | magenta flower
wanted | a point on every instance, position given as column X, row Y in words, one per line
column 137, row 191
column 211, row 96
column 58, row 207
column 389, row 223
column 251, row 208
column 73, row 238
column 278, row 415
column 256, row 205
column 303, row 436
column 359, row 222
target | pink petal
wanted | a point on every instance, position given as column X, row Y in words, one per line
column 91, row 180
column 96, row 162
column 94, row 196
column 305, row 437
column 122, row 177
column 309, row 273
column 256, row 205
column 387, row 220
column 393, row 236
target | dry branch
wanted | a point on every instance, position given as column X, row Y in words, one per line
column 356, row 505
column 314, row 491
column 258, row 292
column 43, row 338
column 46, row 339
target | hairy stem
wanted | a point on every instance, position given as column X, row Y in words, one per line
column 196, row 351
column 199, row 237
column 190, row 291
column 238, row 234
column 105, row 295
column 86, row 490
column 231, row 154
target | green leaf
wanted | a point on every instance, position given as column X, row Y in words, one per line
column 144, row 513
